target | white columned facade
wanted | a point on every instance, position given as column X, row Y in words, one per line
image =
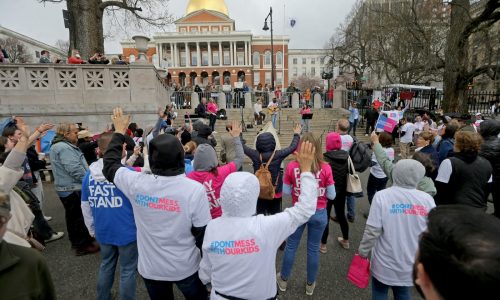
column 198, row 54
column 188, row 55
column 172, row 62
column 245, row 56
column 250, row 55
column 209, row 54
column 220, row 54
column 231, row 53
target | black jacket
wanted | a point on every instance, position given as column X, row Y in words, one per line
column 490, row 150
column 371, row 115
column 266, row 145
column 201, row 110
column 338, row 161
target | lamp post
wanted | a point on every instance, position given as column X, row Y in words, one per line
column 266, row 28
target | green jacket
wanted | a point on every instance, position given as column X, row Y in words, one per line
column 425, row 185
column 24, row 274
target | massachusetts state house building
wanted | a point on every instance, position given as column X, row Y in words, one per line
column 207, row 48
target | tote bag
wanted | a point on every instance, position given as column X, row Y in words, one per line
column 353, row 180
column 359, row 271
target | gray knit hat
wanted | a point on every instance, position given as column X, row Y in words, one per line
column 205, row 158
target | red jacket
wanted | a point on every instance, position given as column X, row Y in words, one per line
column 73, row 60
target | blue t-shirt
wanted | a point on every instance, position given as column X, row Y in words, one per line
column 112, row 212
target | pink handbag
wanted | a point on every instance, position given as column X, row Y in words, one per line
column 359, row 271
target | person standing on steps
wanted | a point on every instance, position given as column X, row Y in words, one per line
column 353, row 118
column 273, row 109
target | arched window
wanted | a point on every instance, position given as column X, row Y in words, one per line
column 267, row 58
column 131, row 58
column 256, row 59
column 279, row 58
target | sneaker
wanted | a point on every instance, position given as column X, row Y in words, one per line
column 89, row 249
column 281, row 282
column 343, row 243
column 47, row 218
column 310, row 288
column 322, row 248
column 366, row 134
column 55, row 236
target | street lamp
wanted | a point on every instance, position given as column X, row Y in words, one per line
column 266, row 28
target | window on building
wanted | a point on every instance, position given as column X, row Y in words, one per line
column 313, row 61
column 227, row 57
column 240, row 58
column 267, row 58
column 279, row 58
column 321, row 70
column 304, row 61
column 225, row 29
column 37, row 54
column 304, row 71
column 215, row 29
column 294, row 72
column 204, row 29
column 294, row 61
column 131, row 58
column 256, row 78
column 194, row 58
column 322, row 60
column 313, row 71
column 279, row 78
column 183, row 59
column 204, row 58
column 256, row 59
column 215, row 58
column 268, row 78
column 194, row 29
column 183, row 29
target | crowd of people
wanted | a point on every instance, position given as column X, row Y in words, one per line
column 162, row 204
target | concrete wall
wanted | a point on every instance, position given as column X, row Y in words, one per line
column 79, row 93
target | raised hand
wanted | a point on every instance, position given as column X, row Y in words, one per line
column 235, row 129
column 119, row 120
column 374, row 138
column 44, row 127
column 137, row 150
column 297, row 129
column 305, row 156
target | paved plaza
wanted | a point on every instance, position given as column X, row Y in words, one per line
column 75, row 277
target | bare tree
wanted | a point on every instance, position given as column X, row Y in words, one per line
column 304, row 82
column 16, row 50
column 63, row 46
column 459, row 69
column 86, row 31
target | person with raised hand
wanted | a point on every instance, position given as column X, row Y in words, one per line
column 207, row 172
column 170, row 211
column 239, row 249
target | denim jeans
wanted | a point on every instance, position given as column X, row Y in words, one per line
column 352, row 126
column 380, row 291
column 315, row 227
column 128, row 267
column 374, row 185
column 351, row 206
column 273, row 119
column 212, row 119
column 191, row 287
column 305, row 125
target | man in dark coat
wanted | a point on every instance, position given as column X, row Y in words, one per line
column 371, row 117
column 489, row 130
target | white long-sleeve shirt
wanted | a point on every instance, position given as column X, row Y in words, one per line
column 239, row 253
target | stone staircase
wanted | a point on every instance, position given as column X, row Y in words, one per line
column 324, row 121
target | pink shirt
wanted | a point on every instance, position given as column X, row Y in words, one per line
column 213, row 185
column 324, row 178
column 212, row 108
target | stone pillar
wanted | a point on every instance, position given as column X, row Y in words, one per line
column 194, row 100
column 209, row 54
column 338, row 95
column 245, row 57
column 317, row 100
column 248, row 100
column 231, row 53
column 295, row 100
column 188, row 55
column 198, row 54
column 172, row 55
column 220, row 55
column 221, row 101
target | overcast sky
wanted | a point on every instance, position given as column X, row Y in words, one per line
column 315, row 19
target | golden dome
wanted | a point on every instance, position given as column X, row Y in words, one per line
column 216, row 5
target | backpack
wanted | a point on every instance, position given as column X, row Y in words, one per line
column 361, row 155
column 265, row 179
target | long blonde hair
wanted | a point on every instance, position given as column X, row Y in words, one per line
column 318, row 156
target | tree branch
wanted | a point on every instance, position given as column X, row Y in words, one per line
column 121, row 4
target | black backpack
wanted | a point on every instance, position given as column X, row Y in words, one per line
column 361, row 155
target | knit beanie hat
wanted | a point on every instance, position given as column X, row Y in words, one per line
column 407, row 173
column 333, row 141
column 205, row 158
